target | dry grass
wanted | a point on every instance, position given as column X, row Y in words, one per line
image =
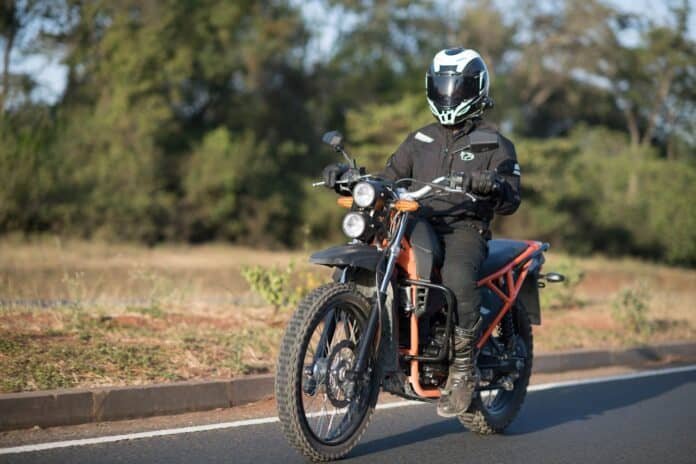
column 86, row 314
column 670, row 298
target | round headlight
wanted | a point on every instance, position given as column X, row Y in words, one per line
column 354, row 225
column 364, row 194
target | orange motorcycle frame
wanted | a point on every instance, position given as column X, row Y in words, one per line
column 502, row 282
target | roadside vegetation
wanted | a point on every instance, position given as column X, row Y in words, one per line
column 183, row 123
column 167, row 133
column 77, row 314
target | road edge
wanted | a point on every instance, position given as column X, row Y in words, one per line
column 78, row 406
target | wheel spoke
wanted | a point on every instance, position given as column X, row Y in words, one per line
column 352, row 335
column 335, row 410
column 322, row 417
column 346, row 327
column 492, row 395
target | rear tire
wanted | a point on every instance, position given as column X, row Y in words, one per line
column 292, row 378
column 483, row 419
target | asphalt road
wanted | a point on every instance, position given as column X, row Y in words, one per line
column 640, row 420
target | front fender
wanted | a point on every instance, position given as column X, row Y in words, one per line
column 354, row 255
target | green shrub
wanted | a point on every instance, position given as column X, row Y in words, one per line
column 590, row 192
column 281, row 288
column 270, row 283
column 630, row 308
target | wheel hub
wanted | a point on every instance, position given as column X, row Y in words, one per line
column 340, row 387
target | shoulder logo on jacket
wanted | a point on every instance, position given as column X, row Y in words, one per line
column 466, row 155
column 423, row 138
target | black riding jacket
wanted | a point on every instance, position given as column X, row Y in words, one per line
column 435, row 151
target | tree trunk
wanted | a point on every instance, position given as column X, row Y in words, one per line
column 662, row 93
column 671, row 155
column 9, row 43
column 540, row 97
column 634, row 131
column 632, row 123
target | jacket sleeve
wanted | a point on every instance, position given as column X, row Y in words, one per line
column 400, row 164
column 505, row 164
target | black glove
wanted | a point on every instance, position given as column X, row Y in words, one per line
column 333, row 172
column 485, row 182
column 461, row 181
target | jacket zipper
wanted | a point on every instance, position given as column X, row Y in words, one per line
column 446, row 152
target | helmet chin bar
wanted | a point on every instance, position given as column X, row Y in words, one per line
column 450, row 117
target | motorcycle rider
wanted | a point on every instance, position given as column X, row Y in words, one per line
column 457, row 87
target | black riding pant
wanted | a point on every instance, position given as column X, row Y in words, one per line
column 465, row 249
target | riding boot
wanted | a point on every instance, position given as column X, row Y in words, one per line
column 462, row 380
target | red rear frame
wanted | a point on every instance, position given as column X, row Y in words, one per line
column 496, row 282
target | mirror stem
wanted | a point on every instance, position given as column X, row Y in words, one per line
column 351, row 161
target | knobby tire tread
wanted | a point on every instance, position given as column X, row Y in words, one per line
column 289, row 379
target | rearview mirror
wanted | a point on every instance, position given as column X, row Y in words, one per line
column 333, row 138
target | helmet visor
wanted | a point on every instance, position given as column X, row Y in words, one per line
column 449, row 90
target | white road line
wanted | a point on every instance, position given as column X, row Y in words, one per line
column 269, row 420
column 633, row 375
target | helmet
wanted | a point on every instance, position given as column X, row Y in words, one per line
column 457, row 85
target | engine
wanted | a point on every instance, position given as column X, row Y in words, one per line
column 434, row 374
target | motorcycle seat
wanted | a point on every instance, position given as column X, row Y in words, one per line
column 500, row 253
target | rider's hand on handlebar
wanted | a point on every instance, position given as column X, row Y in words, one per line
column 341, row 177
column 461, row 181
column 485, row 183
column 333, row 172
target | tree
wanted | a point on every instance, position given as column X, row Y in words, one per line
column 375, row 131
column 661, row 67
column 382, row 50
column 576, row 49
column 150, row 83
column 22, row 25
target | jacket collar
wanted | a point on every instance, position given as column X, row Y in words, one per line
column 460, row 130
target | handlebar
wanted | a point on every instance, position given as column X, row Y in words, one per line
column 420, row 193
column 352, row 177
column 404, row 194
column 423, row 191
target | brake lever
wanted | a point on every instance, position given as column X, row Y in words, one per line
column 338, row 182
column 471, row 196
column 455, row 190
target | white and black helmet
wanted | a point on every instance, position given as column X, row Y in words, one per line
column 457, row 85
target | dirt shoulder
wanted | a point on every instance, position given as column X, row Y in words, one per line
column 80, row 314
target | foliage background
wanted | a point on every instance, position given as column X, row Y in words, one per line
column 195, row 121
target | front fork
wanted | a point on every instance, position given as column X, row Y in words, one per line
column 373, row 321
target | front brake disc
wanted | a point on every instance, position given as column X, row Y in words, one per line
column 339, row 385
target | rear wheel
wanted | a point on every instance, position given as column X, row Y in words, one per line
column 493, row 410
column 322, row 410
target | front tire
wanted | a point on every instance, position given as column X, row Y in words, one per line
column 492, row 414
column 317, row 349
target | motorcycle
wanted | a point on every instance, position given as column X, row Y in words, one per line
column 386, row 321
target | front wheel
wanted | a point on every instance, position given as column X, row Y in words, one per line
column 492, row 411
column 322, row 409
